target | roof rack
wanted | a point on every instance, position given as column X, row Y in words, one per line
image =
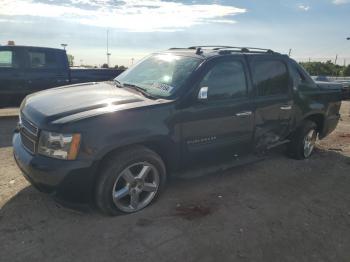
column 242, row 49
column 198, row 50
column 214, row 47
column 227, row 49
column 178, row 48
column 245, row 50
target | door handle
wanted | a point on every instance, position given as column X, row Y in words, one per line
column 243, row 114
column 286, row 107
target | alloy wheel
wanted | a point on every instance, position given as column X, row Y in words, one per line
column 309, row 142
column 135, row 187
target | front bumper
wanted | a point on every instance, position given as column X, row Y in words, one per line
column 69, row 180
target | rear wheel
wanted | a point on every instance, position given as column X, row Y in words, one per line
column 303, row 140
column 130, row 181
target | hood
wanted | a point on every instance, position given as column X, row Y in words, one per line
column 77, row 101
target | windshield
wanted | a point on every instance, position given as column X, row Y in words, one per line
column 160, row 75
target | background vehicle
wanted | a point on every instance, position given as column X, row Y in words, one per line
column 343, row 81
column 321, row 78
column 116, row 142
column 25, row 70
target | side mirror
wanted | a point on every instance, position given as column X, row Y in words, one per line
column 203, row 93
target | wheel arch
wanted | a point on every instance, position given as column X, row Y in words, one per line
column 165, row 148
column 318, row 119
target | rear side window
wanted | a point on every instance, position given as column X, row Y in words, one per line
column 270, row 77
column 43, row 59
column 299, row 78
column 225, row 80
column 300, row 75
column 6, row 59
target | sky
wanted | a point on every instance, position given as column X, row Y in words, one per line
column 312, row 29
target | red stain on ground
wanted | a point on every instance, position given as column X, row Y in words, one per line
column 193, row 212
column 344, row 135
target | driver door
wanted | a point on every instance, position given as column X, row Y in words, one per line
column 222, row 119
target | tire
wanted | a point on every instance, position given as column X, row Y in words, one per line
column 297, row 146
column 130, row 180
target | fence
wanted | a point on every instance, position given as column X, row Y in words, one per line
column 342, row 61
column 339, row 78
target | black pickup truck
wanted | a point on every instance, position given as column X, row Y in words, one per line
column 116, row 142
column 25, row 70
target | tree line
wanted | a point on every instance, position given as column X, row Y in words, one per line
column 326, row 69
column 71, row 63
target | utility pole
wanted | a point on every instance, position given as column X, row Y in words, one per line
column 132, row 61
column 336, row 59
column 290, row 52
column 344, row 58
column 64, row 46
column 108, row 53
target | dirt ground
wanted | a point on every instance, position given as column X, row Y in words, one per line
column 275, row 210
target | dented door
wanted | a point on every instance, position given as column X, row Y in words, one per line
column 273, row 101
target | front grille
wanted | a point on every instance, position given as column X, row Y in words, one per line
column 29, row 135
column 29, row 126
column 28, row 144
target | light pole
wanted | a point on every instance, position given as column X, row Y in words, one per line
column 64, row 46
column 345, row 59
column 108, row 53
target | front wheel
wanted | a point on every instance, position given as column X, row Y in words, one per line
column 130, row 181
column 303, row 140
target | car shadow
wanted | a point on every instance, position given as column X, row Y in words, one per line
column 29, row 197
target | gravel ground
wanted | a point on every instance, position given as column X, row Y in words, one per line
column 276, row 210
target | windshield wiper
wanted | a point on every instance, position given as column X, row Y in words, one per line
column 139, row 89
column 118, row 83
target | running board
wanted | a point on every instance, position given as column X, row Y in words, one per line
column 199, row 171
column 278, row 144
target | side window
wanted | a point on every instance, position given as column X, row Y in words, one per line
column 7, row 59
column 306, row 79
column 299, row 78
column 43, row 59
column 271, row 77
column 225, row 80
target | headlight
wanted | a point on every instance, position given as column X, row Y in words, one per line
column 62, row 146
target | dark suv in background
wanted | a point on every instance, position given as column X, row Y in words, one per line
column 116, row 142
